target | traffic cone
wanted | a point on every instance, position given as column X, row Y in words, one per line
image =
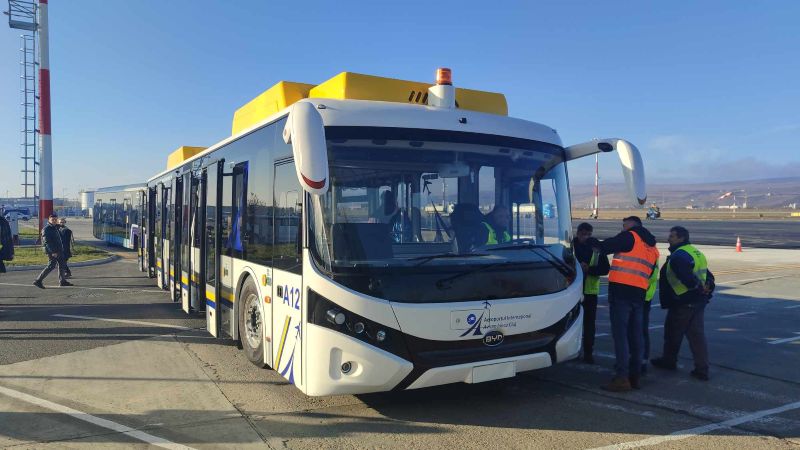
column 738, row 245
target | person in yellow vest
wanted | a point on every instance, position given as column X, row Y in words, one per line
column 496, row 225
column 594, row 265
column 635, row 257
column 684, row 290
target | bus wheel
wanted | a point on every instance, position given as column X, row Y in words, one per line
column 251, row 325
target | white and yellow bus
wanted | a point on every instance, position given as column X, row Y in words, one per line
column 340, row 235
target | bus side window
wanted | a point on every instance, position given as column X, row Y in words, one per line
column 287, row 253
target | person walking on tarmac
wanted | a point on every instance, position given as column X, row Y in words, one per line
column 51, row 241
column 684, row 290
column 594, row 265
column 635, row 257
column 496, row 224
column 6, row 243
column 68, row 242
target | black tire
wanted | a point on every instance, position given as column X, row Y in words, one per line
column 251, row 324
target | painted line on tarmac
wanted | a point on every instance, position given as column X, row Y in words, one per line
column 654, row 327
column 730, row 316
column 86, row 287
column 104, row 423
column 792, row 307
column 785, row 340
column 692, row 432
column 134, row 322
column 751, row 279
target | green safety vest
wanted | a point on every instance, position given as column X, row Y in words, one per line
column 700, row 270
column 591, row 284
column 492, row 239
column 651, row 288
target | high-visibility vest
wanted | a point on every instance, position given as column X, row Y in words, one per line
column 700, row 269
column 591, row 284
column 492, row 239
column 651, row 289
column 635, row 267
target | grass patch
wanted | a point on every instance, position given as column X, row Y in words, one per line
column 32, row 256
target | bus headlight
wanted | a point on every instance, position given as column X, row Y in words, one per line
column 325, row 313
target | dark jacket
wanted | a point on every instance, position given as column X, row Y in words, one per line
column 583, row 252
column 621, row 243
column 682, row 264
column 6, row 241
column 51, row 239
column 66, row 240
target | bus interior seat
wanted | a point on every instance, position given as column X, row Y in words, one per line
column 362, row 241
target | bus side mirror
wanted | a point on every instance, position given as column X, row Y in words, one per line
column 629, row 157
column 306, row 132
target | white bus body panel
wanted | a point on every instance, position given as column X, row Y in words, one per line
column 467, row 373
column 471, row 320
column 373, row 370
column 288, row 325
column 570, row 343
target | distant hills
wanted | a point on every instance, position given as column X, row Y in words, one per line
column 768, row 193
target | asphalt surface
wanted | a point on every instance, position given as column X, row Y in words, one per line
column 753, row 233
column 66, row 360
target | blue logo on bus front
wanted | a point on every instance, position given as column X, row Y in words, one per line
column 471, row 319
column 493, row 338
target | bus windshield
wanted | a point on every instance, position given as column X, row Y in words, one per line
column 427, row 216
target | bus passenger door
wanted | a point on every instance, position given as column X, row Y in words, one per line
column 210, row 202
column 176, row 221
column 234, row 197
column 287, row 281
column 149, row 238
column 196, row 219
column 185, row 242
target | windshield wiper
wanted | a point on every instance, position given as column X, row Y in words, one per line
column 554, row 260
column 445, row 283
column 423, row 259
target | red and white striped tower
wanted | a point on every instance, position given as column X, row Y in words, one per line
column 45, row 143
column 596, row 211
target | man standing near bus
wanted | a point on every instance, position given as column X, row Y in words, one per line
column 6, row 243
column 635, row 258
column 685, row 289
column 594, row 265
column 51, row 241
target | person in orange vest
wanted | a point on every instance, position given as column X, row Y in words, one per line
column 635, row 258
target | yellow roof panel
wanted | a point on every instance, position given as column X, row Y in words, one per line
column 267, row 103
column 180, row 155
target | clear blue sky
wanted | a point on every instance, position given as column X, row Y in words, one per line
column 707, row 90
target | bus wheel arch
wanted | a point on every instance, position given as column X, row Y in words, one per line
column 251, row 320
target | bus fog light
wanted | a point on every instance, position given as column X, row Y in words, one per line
column 347, row 367
column 380, row 336
column 335, row 317
column 358, row 327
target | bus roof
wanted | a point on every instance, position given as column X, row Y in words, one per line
column 122, row 188
column 356, row 86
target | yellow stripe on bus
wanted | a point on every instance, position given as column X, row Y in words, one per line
column 211, row 296
column 184, row 280
column 283, row 339
column 158, row 263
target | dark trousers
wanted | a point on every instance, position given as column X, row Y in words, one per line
column 690, row 321
column 2, row 266
column 54, row 261
column 66, row 266
column 589, row 319
column 626, row 329
column 645, row 335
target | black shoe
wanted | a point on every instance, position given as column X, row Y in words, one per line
column 661, row 363
column 38, row 284
column 634, row 380
column 69, row 275
column 702, row 376
column 66, row 283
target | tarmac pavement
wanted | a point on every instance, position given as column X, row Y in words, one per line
column 111, row 363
